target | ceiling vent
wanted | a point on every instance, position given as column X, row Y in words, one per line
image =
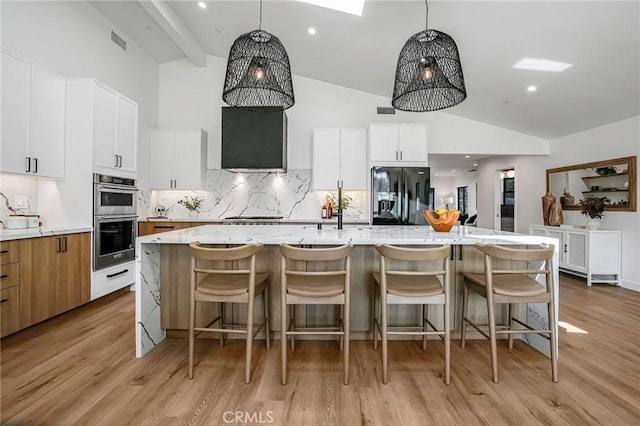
column 118, row 40
column 386, row 110
column 472, row 170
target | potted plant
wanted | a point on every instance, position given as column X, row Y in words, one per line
column 594, row 208
column 192, row 202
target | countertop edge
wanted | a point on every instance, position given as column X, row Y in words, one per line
column 21, row 234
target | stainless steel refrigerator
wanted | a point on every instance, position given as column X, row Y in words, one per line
column 399, row 195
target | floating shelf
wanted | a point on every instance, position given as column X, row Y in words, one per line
column 607, row 176
column 605, row 191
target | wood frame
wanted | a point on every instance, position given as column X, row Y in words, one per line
column 630, row 162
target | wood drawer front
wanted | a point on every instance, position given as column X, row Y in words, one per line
column 9, row 252
column 147, row 228
column 9, row 275
column 9, row 311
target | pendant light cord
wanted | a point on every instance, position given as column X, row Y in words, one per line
column 426, row 15
column 260, row 24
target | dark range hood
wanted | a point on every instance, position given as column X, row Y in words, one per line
column 254, row 141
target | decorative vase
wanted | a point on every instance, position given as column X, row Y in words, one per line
column 593, row 223
column 567, row 199
column 547, row 200
column 555, row 215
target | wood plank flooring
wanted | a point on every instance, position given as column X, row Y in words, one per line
column 80, row 368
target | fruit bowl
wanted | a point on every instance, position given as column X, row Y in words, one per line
column 441, row 220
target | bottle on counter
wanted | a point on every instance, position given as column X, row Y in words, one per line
column 324, row 212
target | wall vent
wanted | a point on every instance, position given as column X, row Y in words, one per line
column 118, row 40
column 386, row 110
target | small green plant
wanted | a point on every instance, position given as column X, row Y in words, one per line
column 192, row 202
column 346, row 200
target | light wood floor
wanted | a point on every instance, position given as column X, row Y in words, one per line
column 80, row 368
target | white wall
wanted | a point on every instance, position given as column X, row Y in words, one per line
column 615, row 140
column 191, row 97
column 73, row 40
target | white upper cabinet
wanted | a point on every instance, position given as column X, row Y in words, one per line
column 33, row 119
column 339, row 155
column 177, row 159
column 115, row 131
column 402, row 144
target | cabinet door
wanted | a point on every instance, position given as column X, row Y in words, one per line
column 15, row 109
column 187, row 155
column 74, row 285
column 47, row 123
column 326, row 159
column 39, row 278
column 126, row 133
column 9, row 310
column 353, row 159
column 104, row 127
column 412, row 142
column 161, row 160
column 383, row 142
column 577, row 255
column 563, row 249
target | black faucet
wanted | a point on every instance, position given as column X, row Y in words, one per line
column 339, row 213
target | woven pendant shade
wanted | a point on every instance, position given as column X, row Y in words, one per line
column 429, row 74
column 258, row 74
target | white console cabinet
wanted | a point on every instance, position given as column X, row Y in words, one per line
column 591, row 254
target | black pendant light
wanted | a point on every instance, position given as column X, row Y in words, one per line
column 258, row 73
column 429, row 73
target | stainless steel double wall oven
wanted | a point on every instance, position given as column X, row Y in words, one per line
column 115, row 202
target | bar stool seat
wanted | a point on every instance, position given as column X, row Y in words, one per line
column 226, row 285
column 510, row 285
column 411, row 286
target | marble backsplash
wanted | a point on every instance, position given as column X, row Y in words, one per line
column 251, row 194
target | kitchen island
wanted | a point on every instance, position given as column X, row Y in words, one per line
column 162, row 271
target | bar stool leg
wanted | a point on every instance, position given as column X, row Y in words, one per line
column 465, row 303
column 221, row 305
column 425, row 328
column 267, row 322
column 341, row 324
column 283, row 336
column 511, row 310
column 292, row 324
column 192, row 321
column 492, row 337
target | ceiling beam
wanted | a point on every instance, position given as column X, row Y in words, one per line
column 171, row 24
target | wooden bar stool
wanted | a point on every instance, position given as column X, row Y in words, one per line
column 411, row 287
column 511, row 285
column 327, row 284
column 223, row 284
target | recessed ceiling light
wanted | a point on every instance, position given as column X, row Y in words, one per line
column 467, row 156
column 537, row 64
column 532, row 89
column 202, row 5
column 353, row 7
column 475, row 164
column 311, row 30
column 453, row 170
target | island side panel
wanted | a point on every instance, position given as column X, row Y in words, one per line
column 148, row 329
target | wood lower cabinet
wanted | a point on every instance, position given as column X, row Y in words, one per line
column 156, row 227
column 9, row 287
column 55, row 275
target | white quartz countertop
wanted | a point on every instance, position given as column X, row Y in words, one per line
column 279, row 221
column 354, row 234
column 19, row 234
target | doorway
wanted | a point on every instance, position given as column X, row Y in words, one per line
column 505, row 200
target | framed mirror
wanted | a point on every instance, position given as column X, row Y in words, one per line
column 614, row 179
